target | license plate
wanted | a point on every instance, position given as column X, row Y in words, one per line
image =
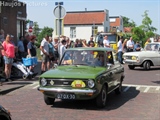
column 66, row 96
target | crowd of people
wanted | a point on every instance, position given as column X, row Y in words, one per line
column 52, row 49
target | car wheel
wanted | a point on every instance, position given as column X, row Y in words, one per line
column 48, row 100
column 102, row 98
column 119, row 89
column 146, row 65
column 131, row 67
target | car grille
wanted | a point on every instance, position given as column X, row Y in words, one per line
column 61, row 82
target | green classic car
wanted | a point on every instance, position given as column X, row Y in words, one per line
column 83, row 74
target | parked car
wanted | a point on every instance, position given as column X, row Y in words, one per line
column 83, row 74
column 4, row 114
column 146, row 58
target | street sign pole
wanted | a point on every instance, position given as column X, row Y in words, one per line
column 59, row 19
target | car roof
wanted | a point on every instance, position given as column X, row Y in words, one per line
column 91, row 48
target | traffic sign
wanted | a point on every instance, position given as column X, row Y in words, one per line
column 59, row 12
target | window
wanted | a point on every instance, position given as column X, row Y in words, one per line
column 94, row 30
column 5, row 20
column 72, row 32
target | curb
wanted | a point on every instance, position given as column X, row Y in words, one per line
column 5, row 91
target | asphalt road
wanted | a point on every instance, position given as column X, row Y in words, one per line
column 140, row 100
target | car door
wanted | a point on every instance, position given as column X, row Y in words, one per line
column 155, row 56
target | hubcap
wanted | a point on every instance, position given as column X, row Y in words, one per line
column 104, row 96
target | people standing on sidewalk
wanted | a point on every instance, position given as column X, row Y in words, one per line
column 130, row 45
column 2, row 36
column 120, row 48
column 25, row 43
column 32, row 50
column 8, row 53
column 62, row 48
column 125, row 45
column 51, row 52
column 21, row 52
column 106, row 42
column 55, row 45
column 45, row 54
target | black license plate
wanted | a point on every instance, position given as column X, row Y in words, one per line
column 66, row 96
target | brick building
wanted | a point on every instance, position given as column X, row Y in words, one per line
column 12, row 17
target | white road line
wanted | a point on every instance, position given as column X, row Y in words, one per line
column 35, row 87
column 127, row 88
column 146, row 90
column 140, row 85
column 137, row 88
column 33, row 84
column 158, row 88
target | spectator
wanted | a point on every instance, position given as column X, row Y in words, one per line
column 125, row 45
column 130, row 45
column 45, row 54
column 91, row 44
column 51, row 52
column 84, row 42
column 120, row 48
column 25, row 43
column 148, row 41
column 62, row 48
column 8, row 55
column 32, row 49
column 2, row 36
column 68, row 42
column 106, row 41
column 137, row 46
column 55, row 45
column 91, row 39
column 20, row 46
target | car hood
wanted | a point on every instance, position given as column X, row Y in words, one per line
column 141, row 53
column 89, row 72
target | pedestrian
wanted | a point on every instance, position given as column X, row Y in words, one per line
column 62, row 48
column 125, row 45
column 45, row 54
column 130, row 45
column 120, row 48
column 55, row 45
column 25, row 43
column 51, row 52
column 91, row 40
column 137, row 46
column 20, row 46
column 8, row 53
column 32, row 50
column 2, row 36
column 106, row 42
column 147, row 41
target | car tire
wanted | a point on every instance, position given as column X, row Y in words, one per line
column 131, row 67
column 48, row 100
column 147, row 65
column 119, row 89
column 102, row 98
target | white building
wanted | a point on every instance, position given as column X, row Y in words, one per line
column 83, row 24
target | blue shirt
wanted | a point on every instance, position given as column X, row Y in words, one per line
column 20, row 46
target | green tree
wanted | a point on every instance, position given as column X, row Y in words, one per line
column 36, row 29
column 128, row 23
column 45, row 31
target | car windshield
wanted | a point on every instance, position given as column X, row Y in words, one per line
column 152, row 47
column 111, row 38
column 83, row 57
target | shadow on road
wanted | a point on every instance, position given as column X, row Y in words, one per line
column 157, row 82
column 151, row 69
column 113, row 102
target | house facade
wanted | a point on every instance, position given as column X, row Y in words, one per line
column 83, row 24
column 116, row 23
column 13, row 17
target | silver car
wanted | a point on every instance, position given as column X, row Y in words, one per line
column 146, row 58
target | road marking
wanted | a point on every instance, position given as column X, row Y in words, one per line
column 127, row 88
column 158, row 88
column 137, row 88
column 146, row 90
column 35, row 87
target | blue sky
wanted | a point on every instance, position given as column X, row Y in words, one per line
column 41, row 11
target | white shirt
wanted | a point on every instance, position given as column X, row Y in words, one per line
column 130, row 43
column 62, row 50
column 44, row 44
column 106, row 42
column 119, row 45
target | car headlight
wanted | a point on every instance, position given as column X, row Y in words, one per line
column 43, row 82
column 91, row 83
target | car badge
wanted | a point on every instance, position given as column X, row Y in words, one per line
column 52, row 82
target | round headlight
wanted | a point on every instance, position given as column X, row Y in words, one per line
column 91, row 83
column 43, row 82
